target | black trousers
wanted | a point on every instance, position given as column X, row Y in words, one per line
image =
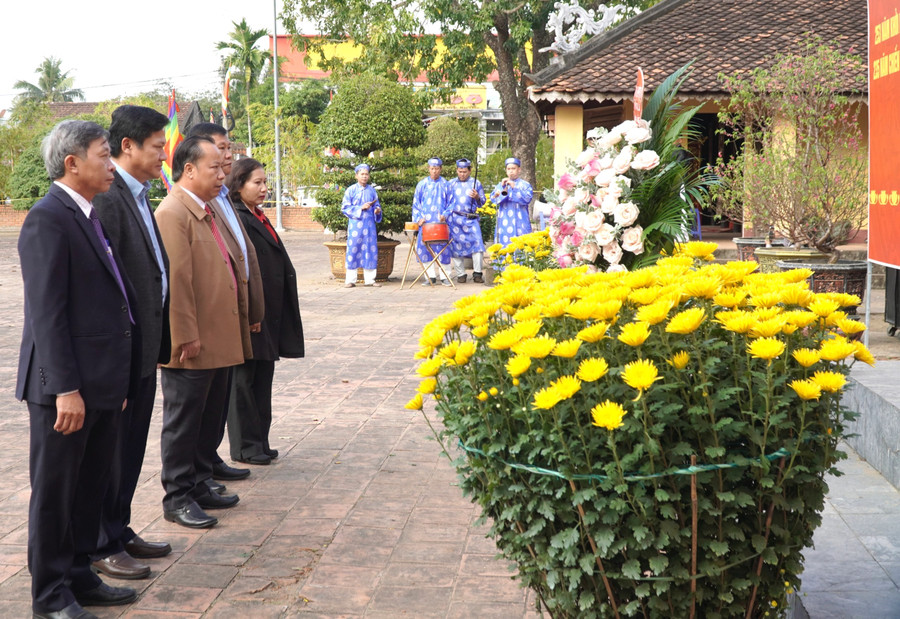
column 134, row 426
column 69, row 476
column 213, row 455
column 193, row 401
column 250, row 409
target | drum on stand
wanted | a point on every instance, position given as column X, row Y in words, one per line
column 435, row 232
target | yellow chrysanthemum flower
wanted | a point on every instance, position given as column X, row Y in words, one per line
column 451, row 320
column 493, row 249
column 836, row 349
column 493, row 391
column 655, row 312
column 449, row 351
column 528, row 328
column 766, row 348
column 594, row 333
column 567, row 348
column 480, row 331
column 680, row 360
column 687, row 321
column 767, row 299
column 607, row 310
column 863, row 354
column 850, row 326
column 518, row 365
column 464, row 352
column 634, row 333
column 640, row 374
column 730, row 298
column 831, row 382
column 566, row 386
column 767, row 313
column 641, row 278
column 702, row 288
column 822, row 307
column 644, row 296
column 555, row 309
column 517, row 273
column 582, row 309
column 529, row 312
column 796, row 275
column 428, row 385
column 806, row 389
column 535, row 347
column 592, row 369
column 737, row 321
column 430, row 367
column 768, row 328
column 482, row 396
column 546, row 398
column 806, row 356
column 800, row 318
column 424, row 353
column 415, row 404
column 505, row 339
column 833, row 319
column 796, row 294
column 432, row 336
column 697, row 249
column 608, row 415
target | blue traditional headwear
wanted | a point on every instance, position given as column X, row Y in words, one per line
column 463, row 163
column 435, row 161
column 514, row 160
column 362, row 166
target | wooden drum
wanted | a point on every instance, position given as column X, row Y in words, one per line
column 411, row 226
column 435, row 232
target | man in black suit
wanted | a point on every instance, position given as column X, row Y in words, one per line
column 77, row 367
column 137, row 144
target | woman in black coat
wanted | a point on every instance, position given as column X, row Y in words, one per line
column 281, row 333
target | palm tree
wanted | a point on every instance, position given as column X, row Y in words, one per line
column 247, row 58
column 53, row 86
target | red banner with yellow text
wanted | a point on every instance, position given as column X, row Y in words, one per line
column 884, row 132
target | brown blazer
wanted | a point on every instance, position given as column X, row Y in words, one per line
column 203, row 299
column 250, row 293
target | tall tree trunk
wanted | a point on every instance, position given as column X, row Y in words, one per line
column 249, row 130
column 523, row 124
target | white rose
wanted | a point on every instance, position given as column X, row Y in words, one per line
column 588, row 252
column 593, row 221
column 605, row 162
column 582, row 195
column 605, row 235
column 615, row 189
column 636, row 135
column 605, row 177
column 563, row 194
column 612, row 253
column 623, row 127
column 609, row 204
column 622, row 162
column 596, row 132
column 622, row 180
column 585, row 157
column 645, row 160
column 631, row 240
column 626, row 214
column 609, row 140
column 569, row 207
column 580, row 219
column 616, row 268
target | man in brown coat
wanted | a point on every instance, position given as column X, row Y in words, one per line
column 205, row 325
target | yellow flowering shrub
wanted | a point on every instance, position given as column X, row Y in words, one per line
column 579, row 399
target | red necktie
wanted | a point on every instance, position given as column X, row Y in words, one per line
column 221, row 244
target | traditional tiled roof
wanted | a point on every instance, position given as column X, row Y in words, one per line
column 720, row 36
column 70, row 110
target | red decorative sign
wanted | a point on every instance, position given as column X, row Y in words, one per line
column 639, row 94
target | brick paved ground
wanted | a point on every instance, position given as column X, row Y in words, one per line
column 360, row 516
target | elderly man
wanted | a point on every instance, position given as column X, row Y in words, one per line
column 77, row 366
column 205, row 329
column 137, row 144
column 250, row 294
column 465, row 196
column 428, row 205
column 512, row 196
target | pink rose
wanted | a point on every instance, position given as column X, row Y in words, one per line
column 585, row 157
column 577, row 237
column 612, row 253
column 593, row 168
column 566, row 228
column 645, row 160
column 566, row 182
column 605, row 235
column 631, row 240
column 564, row 260
column 588, row 252
column 626, row 214
column 595, row 202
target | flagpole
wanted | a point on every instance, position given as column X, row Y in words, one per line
column 278, row 225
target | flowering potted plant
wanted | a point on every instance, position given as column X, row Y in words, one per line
column 629, row 194
column 646, row 443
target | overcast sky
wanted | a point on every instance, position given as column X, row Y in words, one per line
column 122, row 48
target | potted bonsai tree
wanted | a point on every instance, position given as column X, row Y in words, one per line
column 369, row 114
column 799, row 168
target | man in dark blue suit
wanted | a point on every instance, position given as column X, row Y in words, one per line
column 78, row 364
column 137, row 145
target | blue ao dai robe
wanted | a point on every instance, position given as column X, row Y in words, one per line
column 362, row 239
column 429, row 201
column 465, row 233
column 513, row 218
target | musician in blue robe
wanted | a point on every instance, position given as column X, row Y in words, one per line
column 512, row 196
column 465, row 195
column 363, row 211
column 428, row 206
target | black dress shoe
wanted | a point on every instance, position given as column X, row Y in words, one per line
column 222, row 471
column 215, row 486
column 143, row 549
column 259, row 459
column 272, row 453
column 72, row 611
column 104, row 595
column 121, row 565
column 190, row 516
column 217, row 501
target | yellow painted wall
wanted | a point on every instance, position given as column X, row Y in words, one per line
column 569, row 136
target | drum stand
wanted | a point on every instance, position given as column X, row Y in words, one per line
column 435, row 259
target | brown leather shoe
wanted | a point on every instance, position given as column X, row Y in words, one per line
column 121, row 565
column 142, row 549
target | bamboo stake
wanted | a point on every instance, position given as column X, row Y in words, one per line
column 693, row 537
column 766, row 540
column 609, row 592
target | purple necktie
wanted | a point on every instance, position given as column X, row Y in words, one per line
column 103, row 241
